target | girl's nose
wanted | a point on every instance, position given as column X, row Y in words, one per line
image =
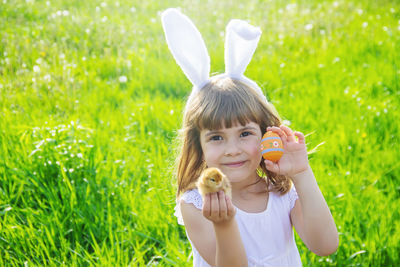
column 232, row 149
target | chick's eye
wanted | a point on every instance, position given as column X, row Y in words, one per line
column 244, row 134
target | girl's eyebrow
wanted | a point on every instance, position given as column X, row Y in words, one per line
column 248, row 128
column 239, row 130
column 212, row 133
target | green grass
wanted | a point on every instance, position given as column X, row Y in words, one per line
column 86, row 160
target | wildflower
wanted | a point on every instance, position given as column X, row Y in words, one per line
column 291, row 7
column 36, row 68
column 123, row 79
column 308, row 27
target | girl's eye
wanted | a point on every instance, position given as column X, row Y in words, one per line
column 216, row 138
column 244, row 134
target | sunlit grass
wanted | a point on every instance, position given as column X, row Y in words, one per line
column 91, row 101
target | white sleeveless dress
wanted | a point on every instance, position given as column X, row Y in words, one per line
column 267, row 236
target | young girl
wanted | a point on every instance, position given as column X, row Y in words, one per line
column 224, row 120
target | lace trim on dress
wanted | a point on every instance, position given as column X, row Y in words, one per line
column 191, row 197
column 292, row 197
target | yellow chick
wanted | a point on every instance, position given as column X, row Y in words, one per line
column 213, row 180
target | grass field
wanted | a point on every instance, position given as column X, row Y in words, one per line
column 91, row 101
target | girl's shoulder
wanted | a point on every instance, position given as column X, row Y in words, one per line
column 288, row 199
column 191, row 197
column 292, row 197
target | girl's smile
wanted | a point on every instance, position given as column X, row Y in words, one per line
column 236, row 164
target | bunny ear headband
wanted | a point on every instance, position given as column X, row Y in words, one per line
column 188, row 48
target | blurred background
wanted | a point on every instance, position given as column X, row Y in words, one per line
column 91, row 102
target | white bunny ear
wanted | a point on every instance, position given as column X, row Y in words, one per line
column 240, row 43
column 187, row 46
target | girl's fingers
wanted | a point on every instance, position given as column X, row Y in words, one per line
column 302, row 139
column 217, row 207
column 280, row 132
column 222, row 205
column 214, row 205
column 229, row 206
column 271, row 166
column 289, row 133
column 206, row 206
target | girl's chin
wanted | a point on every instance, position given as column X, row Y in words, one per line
column 237, row 176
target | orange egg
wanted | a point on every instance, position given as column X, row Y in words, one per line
column 271, row 146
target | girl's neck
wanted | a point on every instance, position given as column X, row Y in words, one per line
column 252, row 185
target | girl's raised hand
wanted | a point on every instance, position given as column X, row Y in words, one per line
column 218, row 207
column 294, row 159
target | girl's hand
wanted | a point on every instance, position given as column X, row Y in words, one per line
column 294, row 159
column 218, row 208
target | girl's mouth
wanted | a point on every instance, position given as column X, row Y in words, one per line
column 235, row 164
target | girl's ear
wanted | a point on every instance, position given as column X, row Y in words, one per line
column 240, row 43
column 187, row 46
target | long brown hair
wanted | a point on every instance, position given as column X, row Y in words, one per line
column 222, row 103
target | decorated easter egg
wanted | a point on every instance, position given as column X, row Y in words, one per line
column 271, row 146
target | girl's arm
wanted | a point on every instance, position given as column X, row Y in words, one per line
column 214, row 231
column 311, row 215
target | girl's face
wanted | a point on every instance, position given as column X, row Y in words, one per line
column 235, row 151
